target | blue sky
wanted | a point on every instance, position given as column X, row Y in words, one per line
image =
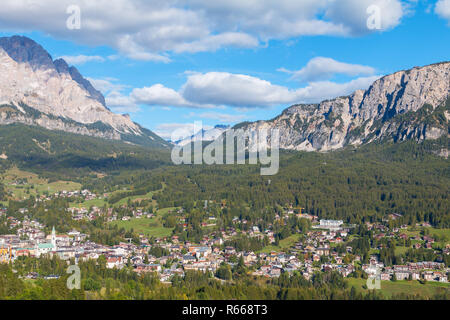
column 171, row 63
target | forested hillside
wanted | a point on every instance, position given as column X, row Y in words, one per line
column 354, row 185
column 65, row 155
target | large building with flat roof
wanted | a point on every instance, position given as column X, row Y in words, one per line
column 329, row 224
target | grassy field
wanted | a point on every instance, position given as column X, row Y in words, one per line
column 388, row 288
column 147, row 196
column 57, row 187
column 149, row 227
column 283, row 244
column 443, row 234
column 33, row 185
column 415, row 231
column 400, row 250
column 164, row 211
column 87, row 204
column 101, row 202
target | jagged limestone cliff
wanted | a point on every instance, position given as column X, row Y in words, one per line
column 53, row 95
column 412, row 104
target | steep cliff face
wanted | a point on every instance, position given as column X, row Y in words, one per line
column 57, row 95
column 10, row 114
column 412, row 104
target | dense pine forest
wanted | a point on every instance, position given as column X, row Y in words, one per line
column 98, row 282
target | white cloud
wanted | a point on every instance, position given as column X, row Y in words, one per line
column 271, row 19
column 132, row 50
column 82, row 59
column 353, row 14
column 219, row 117
column 107, row 85
column 323, row 90
column 321, row 68
column 443, row 9
column 237, row 90
column 220, row 89
column 152, row 30
column 121, row 103
column 216, row 89
column 215, row 42
column 114, row 96
column 159, row 95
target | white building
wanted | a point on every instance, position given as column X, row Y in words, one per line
column 330, row 224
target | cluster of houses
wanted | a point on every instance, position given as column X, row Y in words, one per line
column 85, row 195
column 425, row 270
column 417, row 241
column 31, row 240
column 87, row 214
column 82, row 213
column 135, row 213
column 313, row 253
column 276, row 263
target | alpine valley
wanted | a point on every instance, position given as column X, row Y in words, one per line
column 363, row 185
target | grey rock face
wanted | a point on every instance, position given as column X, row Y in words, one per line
column 94, row 93
column 63, row 68
column 24, row 50
column 392, row 108
column 56, row 124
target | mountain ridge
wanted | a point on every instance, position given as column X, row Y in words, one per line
column 59, row 96
column 408, row 104
column 375, row 114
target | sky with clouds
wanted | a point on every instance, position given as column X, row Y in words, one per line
column 169, row 63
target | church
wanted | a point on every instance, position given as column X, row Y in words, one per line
column 49, row 247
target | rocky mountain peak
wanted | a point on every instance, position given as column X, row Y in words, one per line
column 61, row 66
column 411, row 104
column 25, row 50
column 56, row 96
column 22, row 49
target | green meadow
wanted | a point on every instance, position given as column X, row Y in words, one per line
column 32, row 184
column 283, row 244
column 150, row 227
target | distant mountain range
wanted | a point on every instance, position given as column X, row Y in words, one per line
column 204, row 135
column 37, row 90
